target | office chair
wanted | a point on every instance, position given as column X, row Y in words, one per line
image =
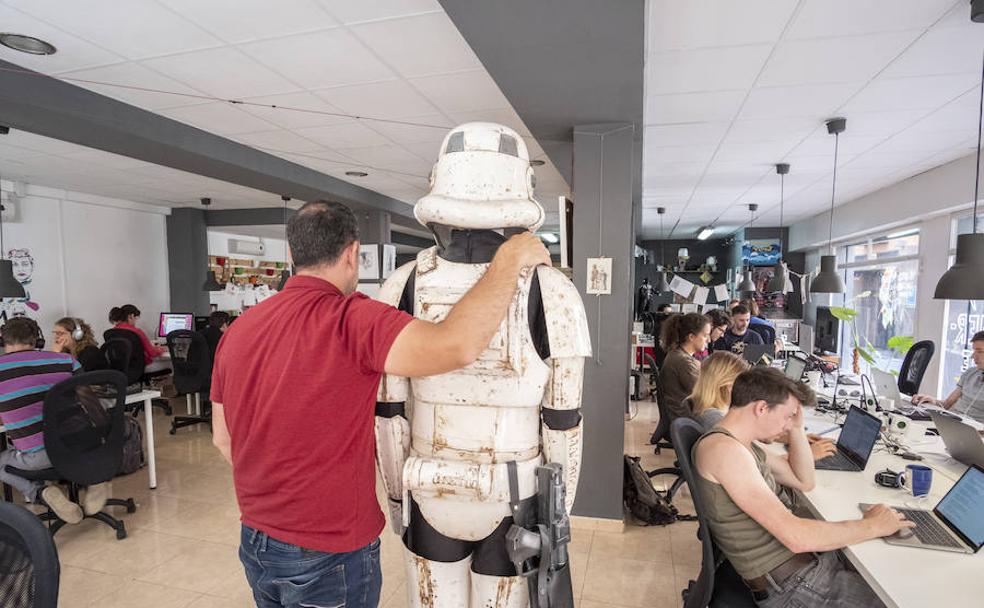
column 765, row 332
column 134, row 368
column 192, row 365
column 29, row 569
column 914, row 366
column 717, row 584
column 84, row 440
column 661, row 434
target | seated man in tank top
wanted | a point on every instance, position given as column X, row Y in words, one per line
column 784, row 559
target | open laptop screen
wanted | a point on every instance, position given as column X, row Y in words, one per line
column 859, row 434
column 961, row 507
column 795, row 368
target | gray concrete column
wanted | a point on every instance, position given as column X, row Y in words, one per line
column 374, row 229
column 187, row 256
column 604, row 226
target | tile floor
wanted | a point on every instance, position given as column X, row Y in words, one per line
column 182, row 546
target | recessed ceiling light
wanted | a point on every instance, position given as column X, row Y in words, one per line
column 356, row 173
column 27, row 44
column 536, row 162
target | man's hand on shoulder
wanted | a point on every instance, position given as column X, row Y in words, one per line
column 522, row 251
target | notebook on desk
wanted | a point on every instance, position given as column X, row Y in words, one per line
column 957, row 522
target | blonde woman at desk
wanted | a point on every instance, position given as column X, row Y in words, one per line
column 968, row 398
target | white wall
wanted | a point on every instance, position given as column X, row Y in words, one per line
column 90, row 253
column 218, row 244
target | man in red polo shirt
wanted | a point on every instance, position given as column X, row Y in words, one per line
column 294, row 393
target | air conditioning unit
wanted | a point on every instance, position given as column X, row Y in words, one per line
column 240, row 247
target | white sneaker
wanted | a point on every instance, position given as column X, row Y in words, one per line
column 65, row 509
column 95, row 498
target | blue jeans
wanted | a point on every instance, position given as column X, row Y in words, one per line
column 287, row 576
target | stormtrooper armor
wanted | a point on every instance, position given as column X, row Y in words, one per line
column 445, row 443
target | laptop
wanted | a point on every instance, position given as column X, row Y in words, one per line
column 794, row 368
column 857, row 438
column 962, row 440
column 957, row 522
column 759, row 353
column 886, row 385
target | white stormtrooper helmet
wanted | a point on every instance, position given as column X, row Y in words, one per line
column 482, row 180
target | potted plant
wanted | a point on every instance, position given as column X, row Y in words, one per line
column 850, row 316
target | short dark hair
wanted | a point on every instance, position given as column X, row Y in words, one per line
column 718, row 317
column 740, row 309
column 770, row 385
column 675, row 329
column 751, row 305
column 218, row 318
column 20, row 330
column 319, row 232
column 978, row 337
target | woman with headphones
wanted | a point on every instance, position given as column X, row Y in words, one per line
column 74, row 336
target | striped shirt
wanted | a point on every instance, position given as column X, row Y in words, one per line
column 25, row 378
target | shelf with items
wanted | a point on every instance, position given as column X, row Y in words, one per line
column 243, row 270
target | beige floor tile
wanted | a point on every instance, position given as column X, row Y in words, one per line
column 398, row 599
column 235, row 587
column 79, row 588
column 593, row 604
column 629, row 582
column 686, row 546
column 200, row 567
column 209, row 601
column 650, row 543
column 142, row 551
column 146, row 595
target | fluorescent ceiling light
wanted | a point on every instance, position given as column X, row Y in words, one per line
column 705, row 233
column 549, row 237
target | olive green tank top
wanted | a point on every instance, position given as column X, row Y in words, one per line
column 750, row 548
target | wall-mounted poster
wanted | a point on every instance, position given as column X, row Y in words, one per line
column 599, row 276
column 761, row 252
column 389, row 260
column 369, row 262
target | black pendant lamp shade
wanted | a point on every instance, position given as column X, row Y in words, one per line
column 747, row 286
column 662, row 286
column 777, row 284
column 10, row 287
column 829, row 280
column 965, row 279
column 210, row 283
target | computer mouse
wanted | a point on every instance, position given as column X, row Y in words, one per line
column 905, row 533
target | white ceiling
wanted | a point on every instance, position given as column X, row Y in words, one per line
column 734, row 87
column 396, row 60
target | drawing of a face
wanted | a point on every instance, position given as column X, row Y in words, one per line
column 23, row 264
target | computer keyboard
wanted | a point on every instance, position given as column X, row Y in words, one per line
column 928, row 530
column 838, row 461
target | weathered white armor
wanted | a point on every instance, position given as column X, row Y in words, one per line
column 520, row 401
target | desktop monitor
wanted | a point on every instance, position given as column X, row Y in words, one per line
column 171, row 321
column 827, row 330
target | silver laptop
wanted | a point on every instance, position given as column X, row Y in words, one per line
column 886, row 385
column 957, row 522
column 962, row 440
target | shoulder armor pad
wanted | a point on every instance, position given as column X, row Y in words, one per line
column 567, row 325
column 393, row 286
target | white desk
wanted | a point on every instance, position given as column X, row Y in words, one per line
column 903, row 577
column 147, row 397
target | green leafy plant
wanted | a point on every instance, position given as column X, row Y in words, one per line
column 865, row 351
column 901, row 344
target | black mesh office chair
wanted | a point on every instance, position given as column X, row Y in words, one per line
column 134, row 369
column 29, row 569
column 717, row 584
column 192, row 365
column 914, row 366
column 765, row 332
column 84, row 440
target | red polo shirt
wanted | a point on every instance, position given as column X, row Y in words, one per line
column 297, row 375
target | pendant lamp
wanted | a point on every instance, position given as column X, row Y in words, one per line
column 963, row 280
column 210, row 284
column 285, row 273
column 747, row 286
column 777, row 284
column 10, row 287
column 661, row 285
column 829, row 280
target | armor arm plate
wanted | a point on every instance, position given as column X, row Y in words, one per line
column 392, row 426
column 561, row 412
column 567, row 325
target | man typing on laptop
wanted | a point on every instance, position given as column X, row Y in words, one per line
column 968, row 398
column 784, row 559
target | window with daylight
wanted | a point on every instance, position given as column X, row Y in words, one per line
column 880, row 277
column 963, row 319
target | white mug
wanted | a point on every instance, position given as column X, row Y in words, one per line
column 813, row 379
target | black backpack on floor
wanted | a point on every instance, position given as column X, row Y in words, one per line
column 133, row 453
column 641, row 499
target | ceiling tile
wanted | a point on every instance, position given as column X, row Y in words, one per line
column 709, row 69
column 223, row 72
column 429, row 129
column 462, row 92
column 703, row 133
column 350, row 135
column 419, row 46
column 295, row 110
column 693, row 107
column 801, row 101
column 390, row 157
column 850, row 144
column 347, row 11
column 390, row 99
column 150, row 29
column 237, row 21
column 321, row 59
column 942, row 50
column 135, row 75
column 654, row 154
column 757, row 130
column 279, row 140
column 218, row 117
column 826, row 18
column 926, row 92
column 700, row 23
column 73, row 52
column 833, row 60
column 760, row 153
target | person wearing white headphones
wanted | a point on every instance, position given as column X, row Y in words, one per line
column 968, row 398
column 74, row 336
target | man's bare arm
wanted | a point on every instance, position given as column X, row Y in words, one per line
column 220, row 432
